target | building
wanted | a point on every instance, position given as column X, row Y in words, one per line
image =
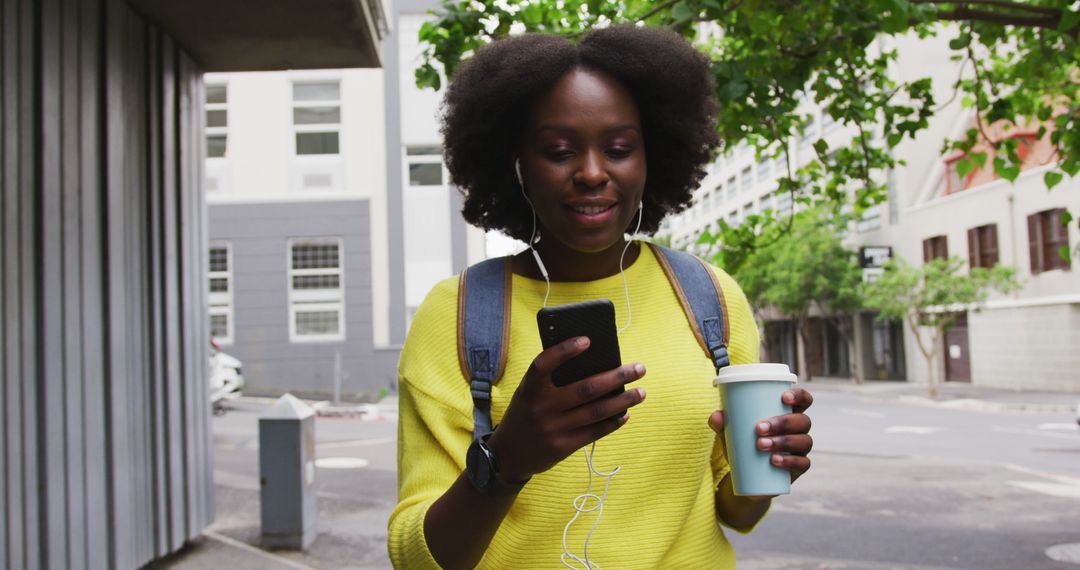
column 331, row 216
column 106, row 458
column 1024, row 340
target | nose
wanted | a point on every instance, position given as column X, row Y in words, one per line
column 592, row 172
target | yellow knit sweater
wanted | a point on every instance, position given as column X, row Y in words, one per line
column 660, row 509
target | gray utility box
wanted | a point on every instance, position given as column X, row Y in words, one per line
column 287, row 474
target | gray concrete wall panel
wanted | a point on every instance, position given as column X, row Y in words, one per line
column 258, row 235
column 103, row 344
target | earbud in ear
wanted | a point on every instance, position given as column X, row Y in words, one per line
column 517, row 170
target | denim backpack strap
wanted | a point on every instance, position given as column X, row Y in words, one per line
column 702, row 300
column 484, row 332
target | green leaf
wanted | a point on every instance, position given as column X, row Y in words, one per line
column 1066, row 218
column 1052, row 178
column 1065, row 254
column 979, row 158
column 961, row 42
column 894, row 139
column 964, row 166
column 1069, row 20
column 681, row 12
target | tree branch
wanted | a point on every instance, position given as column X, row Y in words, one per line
column 964, row 14
column 656, row 10
column 1000, row 4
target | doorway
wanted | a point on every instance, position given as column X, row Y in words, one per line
column 957, row 355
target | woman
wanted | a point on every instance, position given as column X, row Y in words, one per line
column 587, row 141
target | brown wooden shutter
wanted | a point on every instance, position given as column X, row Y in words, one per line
column 973, row 248
column 1034, row 251
column 927, row 250
column 989, row 246
column 944, row 254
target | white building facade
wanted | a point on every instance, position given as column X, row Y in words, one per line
column 331, row 216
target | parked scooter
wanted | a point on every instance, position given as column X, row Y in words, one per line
column 226, row 378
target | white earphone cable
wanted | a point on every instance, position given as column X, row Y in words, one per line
column 581, row 502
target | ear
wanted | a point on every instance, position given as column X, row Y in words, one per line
column 517, row 170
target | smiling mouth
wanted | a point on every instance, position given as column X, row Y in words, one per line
column 591, row 210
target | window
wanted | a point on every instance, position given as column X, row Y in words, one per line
column 316, row 299
column 982, row 246
column 317, row 117
column 747, row 210
column 936, row 247
column 806, row 142
column 783, row 203
column 220, row 299
column 764, row 170
column 953, row 181
column 217, row 120
column 746, row 180
column 731, row 188
column 425, row 165
column 1046, row 236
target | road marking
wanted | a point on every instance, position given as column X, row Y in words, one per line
column 1052, row 489
column 1065, row 552
column 258, row 551
column 914, row 430
column 1065, row 479
column 1060, row 427
column 354, row 443
column 341, row 463
column 1020, row 431
column 862, row 413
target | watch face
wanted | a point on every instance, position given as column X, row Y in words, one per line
column 478, row 466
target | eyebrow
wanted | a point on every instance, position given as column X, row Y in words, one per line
column 623, row 127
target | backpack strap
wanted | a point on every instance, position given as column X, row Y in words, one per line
column 484, row 332
column 702, row 300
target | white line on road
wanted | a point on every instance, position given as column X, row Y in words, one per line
column 1060, row 427
column 354, row 443
column 1065, row 479
column 1050, row 435
column 864, row 413
column 249, row 548
column 1052, row 489
column 915, row 430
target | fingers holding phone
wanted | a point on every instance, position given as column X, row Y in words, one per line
column 572, row 394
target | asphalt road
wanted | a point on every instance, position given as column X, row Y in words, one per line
column 901, row 486
column 893, row 485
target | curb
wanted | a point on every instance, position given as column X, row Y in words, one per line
column 973, row 404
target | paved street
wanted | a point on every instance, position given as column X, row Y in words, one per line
column 895, row 484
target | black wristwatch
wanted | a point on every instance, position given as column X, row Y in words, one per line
column 482, row 467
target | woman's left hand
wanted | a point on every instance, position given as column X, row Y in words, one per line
column 786, row 436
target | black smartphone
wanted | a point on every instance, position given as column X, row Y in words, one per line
column 594, row 319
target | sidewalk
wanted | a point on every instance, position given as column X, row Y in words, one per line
column 955, row 395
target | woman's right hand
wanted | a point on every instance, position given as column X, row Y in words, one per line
column 545, row 423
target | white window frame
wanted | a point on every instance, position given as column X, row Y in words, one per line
column 214, row 131
column 222, row 303
column 410, row 159
column 316, row 300
column 320, row 127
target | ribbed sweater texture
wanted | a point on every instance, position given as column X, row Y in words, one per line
column 660, row 510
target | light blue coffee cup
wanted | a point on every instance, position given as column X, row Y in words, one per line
column 750, row 393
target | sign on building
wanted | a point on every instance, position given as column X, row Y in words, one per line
column 872, row 260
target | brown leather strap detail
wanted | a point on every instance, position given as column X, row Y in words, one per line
column 682, row 299
column 720, row 295
column 466, row 372
column 508, row 287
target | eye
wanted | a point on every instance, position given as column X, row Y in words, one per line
column 620, row 152
column 559, row 154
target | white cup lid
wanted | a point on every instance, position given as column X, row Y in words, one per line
column 754, row 373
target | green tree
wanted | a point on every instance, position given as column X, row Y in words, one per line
column 795, row 271
column 931, row 297
column 1019, row 64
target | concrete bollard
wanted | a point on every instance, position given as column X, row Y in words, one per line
column 287, row 474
